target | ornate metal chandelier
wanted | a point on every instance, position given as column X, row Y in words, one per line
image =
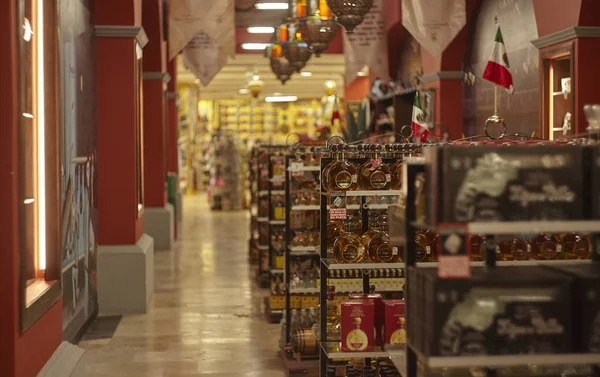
column 296, row 52
column 282, row 68
column 350, row 13
column 316, row 26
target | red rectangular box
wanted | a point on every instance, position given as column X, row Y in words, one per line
column 395, row 322
column 358, row 325
column 379, row 318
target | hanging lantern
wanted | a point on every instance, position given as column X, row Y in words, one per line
column 256, row 85
column 318, row 28
column 297, row 52
column 282, row 68
column 350, row 13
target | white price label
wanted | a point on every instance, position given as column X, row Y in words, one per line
column 297, row 166
column 388, row 177
column 354, row 178
column 394, row 250
column 428, row 249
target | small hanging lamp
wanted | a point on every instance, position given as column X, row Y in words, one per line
column 297, row 52
column 350, row 13
column 318, row 28
column 282, row 68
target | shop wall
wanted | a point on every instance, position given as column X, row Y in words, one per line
column 518, row 22
column 78, row 163
column 21, row 355
column 409, row 61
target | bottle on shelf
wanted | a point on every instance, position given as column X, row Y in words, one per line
column 396, row 166
column 334, row 230
column 341, row 175
column 575, row 246
column 546, row 247
column 279, row 208
column 378, row 244
column 348, row 248
column 374, row 174
column 332, row 316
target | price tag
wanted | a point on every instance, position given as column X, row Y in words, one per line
column 337, row 205
column 296, row 168
column 454, row 255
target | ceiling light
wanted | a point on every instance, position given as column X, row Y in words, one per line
column 281, row 99
column 254, row 46
column 261, row 30
column 244, row 91
column 271, row 6
column 306, row 74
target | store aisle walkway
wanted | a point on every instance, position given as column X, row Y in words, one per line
column 205, row 317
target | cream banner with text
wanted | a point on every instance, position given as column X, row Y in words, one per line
column 434, row 23
column 367, row 46
column 204, row 32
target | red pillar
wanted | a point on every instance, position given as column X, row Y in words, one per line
column 155, row 78
column 118, row 80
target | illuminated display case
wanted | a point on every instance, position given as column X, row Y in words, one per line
column 38, row 153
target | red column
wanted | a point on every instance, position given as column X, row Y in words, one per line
column 118, row 80
column 172, row 119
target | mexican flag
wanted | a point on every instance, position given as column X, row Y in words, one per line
column 419, row 128
column 497, row 69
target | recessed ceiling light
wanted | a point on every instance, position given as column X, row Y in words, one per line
column 244, row 91
column 254, row 46
column 261, row 30
column 197, row 81
column 271, row 6
column 281, row 99
column 306, row 74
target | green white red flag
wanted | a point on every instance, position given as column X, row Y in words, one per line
column 419, row 128
column 498, row 68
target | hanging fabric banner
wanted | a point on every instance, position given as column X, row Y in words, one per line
column 367, row 46
column 434, row 23
column 205, row 34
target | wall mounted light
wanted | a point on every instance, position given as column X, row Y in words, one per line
column 261, row 30
column 271, row 6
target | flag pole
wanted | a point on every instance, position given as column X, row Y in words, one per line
column 495, row 99
column 496, row 118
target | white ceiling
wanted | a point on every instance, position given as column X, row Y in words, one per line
column 233, row 77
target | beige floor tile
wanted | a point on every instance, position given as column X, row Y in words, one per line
column 205, row 317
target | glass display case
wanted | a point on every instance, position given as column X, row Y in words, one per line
column 557, row 87
column 38, row 155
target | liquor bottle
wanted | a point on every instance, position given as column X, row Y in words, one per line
column 476, row 246
column 395, row 166
column 575, row 246
column 341, row 176
column 546, row 247
column 374, row 174
column 348, row 248
column 279, row 208
column 423, row 247
column 332, row 316
column 378, row 245
column 334, row 231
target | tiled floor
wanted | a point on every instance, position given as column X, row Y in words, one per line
column 205, row 317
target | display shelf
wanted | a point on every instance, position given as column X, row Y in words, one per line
column 519, row 227
column 490, row 361
column 277, row 271
column 308, row 207
column 262, row 219
column 333, row 350
column 263, row 247
column 304, row 290
column 398, row 357
column 277, row 192
column 263, row 192
column 277, row 179
column 304, row 168
column 330, row 264
column 277, row 222
column 374, row 193
column 529, row 262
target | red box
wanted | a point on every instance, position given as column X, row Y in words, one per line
column 395, row 322
column 379, row 313
column 358, row 325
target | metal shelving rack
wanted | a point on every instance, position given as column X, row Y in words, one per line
column 331, row 350
column 261, row 277
column 294, row 252
column 414, row 166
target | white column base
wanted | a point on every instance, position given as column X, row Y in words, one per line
column 159, row 224
column 67, row 361
column 125, row 277
column 179, row 205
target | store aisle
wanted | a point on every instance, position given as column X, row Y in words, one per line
column 205, row 317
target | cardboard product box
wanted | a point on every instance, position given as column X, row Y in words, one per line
column 379, row 313
column 358, row 325
column 585, row 306
column 505, row 183
column 500, row 311
column 394, row 329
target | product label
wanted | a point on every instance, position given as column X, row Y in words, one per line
column 454, row 259
column 343, row 180
column 337, row 205
column 385, row 252
column 350, row 252
column 378, row 179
